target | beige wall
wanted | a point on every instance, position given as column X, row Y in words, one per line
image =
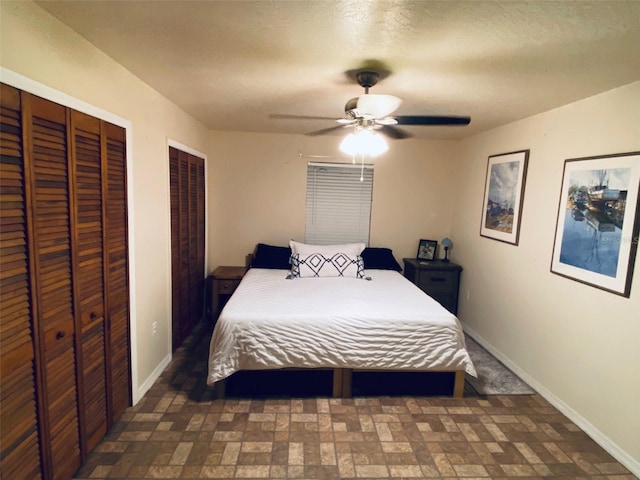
column 257, row 185
column 576, row 343
column 37, row 46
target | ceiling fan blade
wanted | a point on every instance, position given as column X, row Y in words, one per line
column 299, row 117
column 393, row 132
column 326, row 130
column 431, row 120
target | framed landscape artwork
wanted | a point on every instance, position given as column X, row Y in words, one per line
column 503, row 194
column 597, row 227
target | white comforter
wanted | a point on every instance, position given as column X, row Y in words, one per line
column 387, row 322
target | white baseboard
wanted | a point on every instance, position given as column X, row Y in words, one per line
column 601, row 439
column 148, row 383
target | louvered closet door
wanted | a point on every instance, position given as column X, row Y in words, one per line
column 64, row 292
column 195, row 275
column 19, row 451
column 185, row 237
column 174, row 200
column 186, row 174
column 200, row 234
column 99, row 161
column 89, row 275
column 117, row 269
column 51, row 243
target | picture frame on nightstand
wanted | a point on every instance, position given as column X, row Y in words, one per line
column 427, row 249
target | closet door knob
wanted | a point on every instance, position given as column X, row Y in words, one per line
column 60, row 334
column 93, row 316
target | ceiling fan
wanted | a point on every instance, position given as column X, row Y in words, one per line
column 373, row 112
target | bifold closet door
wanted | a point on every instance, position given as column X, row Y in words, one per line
column 19, row 449
column 118, row 351
column 101, row 273
column 101, row 293
column 64, row 294
column 89, row 275
column 196, row 240
column 179, row 285
column 187, row 186
column 52, row 283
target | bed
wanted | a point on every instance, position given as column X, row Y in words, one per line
column 367, row 319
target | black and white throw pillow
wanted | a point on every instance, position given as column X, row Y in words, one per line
column 338, row 264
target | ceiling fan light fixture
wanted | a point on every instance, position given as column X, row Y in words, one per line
column 378, row 106
column 364, row 142
column 372, row 111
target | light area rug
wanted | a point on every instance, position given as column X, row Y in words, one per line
column 493, row 377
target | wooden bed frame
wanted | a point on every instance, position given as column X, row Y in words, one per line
column 342, row 380
column 342, row 377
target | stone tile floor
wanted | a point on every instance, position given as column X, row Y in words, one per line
column 178, row 430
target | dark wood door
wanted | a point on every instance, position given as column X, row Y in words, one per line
column 64, row 324
column 101, row 274
column 89, row 275
column 114, row 187
column 19, row 449
column 52, row 284
column 186, row 175
column 174, row 201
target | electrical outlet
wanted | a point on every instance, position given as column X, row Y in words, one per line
column 154, row 328
column 468, row 296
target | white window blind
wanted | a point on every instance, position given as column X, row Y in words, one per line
column 338, row 203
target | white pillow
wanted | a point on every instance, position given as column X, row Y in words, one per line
column 319, row 265
column 351, row 249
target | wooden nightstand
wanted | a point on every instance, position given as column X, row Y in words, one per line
column 224, row 282
column 440, row 280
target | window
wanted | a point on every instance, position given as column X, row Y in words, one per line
column 338, row 203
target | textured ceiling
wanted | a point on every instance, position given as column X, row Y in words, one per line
column 231, row 64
